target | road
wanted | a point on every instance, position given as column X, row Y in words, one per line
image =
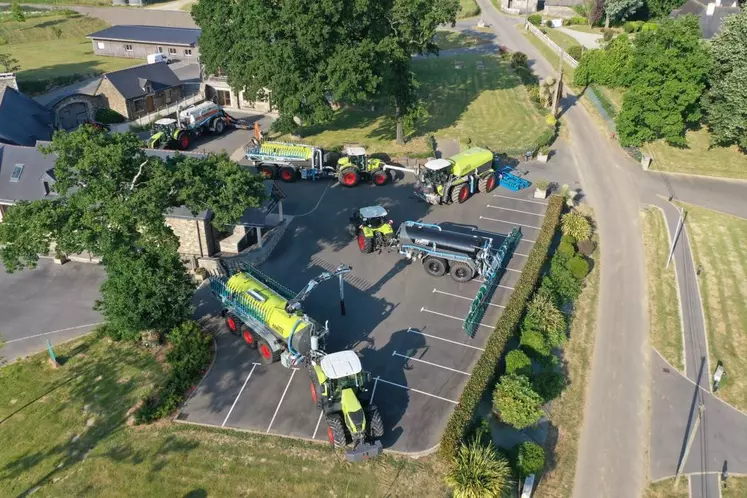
column 612, row 450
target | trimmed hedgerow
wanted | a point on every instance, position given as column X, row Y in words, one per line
column 484, row 374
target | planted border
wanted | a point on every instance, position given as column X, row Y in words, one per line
column 484, row 374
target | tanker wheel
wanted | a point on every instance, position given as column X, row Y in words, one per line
column 491, row 184
column 435, row 267
column 375, row 424
column 268, row 172
column 461, row 272
column 183, row 140
column 365, row 244
column 249, row 337
column 482, row 184
column 349, row 177
column 266, row 354
column 336, row 430
column 233, row 323
column 219, row 126
column 460, row 193
column 381, row 177
column 316, row 395
column 288, row 174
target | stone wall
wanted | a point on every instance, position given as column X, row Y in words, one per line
column 112, row 98
column 196, row 237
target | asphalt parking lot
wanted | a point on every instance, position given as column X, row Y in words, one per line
column 405, row 325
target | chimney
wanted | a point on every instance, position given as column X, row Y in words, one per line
column 718, row 3
column 710, row 9
column 8, row 79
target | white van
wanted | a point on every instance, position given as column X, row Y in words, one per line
column 154, row 58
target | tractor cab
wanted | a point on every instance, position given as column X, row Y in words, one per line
column 343, row 373
column 370, row 217
column 437, row 171
column 356, row 155
column 167, row 125
column 369, row 225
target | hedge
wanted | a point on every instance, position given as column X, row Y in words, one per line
column 484, row 374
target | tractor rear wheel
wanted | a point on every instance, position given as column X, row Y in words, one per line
column 381, row 177
column 460, row 193
column 482, row 183
column 233, row 323
column 268, row 172
column 365, row 244
column 375, row 424
column 219, row 126
column 435, row 267
column 491, row 183
column 250, row 338
column 336, row 430
column 461, row 272
column 266, row 354
column 288, row 174
column 349, row 177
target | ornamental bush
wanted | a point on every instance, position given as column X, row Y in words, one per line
column 579, row 267
column 517, row 403
column 531, row 458
column 576, row 225
column 575, row 51
column 567, row 250
column 534, row 19
column 570, row 239
column 519, row 59
column 534, row 342
column 549, row 383
column 518, row 362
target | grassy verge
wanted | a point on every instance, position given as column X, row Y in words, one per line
column 665, row 489
column 564, row 40
column 103, row 3
column 568, row 409
column 447, row 40
column 665, row 326
column 697, row 158
column 737, row 488
column 462, row 104
column 73, row 440
column 550, row 55
column 718, row 246
column 467, row 8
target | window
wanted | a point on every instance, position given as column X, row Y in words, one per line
column 47, row 188
column 128, row 48
column 160, row 50
column 101, row 45
column 188, row 52
column 16, row 174
column 172, row 51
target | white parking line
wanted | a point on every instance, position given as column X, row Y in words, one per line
column 511, row 269
column 254, row 365
column 522, row 200
column 509, row 222
column 54, row 332
column 373, row 391
column 452, row 317
column 463, row 297
column 520, row 254
column 281, row 399
column 313, row 436
column 418, row 391
column 427, row 362
column 501, row 286
column 516, row 210
column 444, row 339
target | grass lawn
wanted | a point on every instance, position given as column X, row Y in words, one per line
column 105, row 3
column 68, row 436
column 568, row 411
column 447, row 40
column 42, row 55
column 550, row 55
column 490, row 106
column 564, row 40
column 718, row 245
column 665, row 326
column 725, row 162
column 467, row 8
column 665, row 489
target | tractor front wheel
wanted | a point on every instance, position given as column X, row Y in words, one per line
column 336, row 430
column 375, row 424
column 461, row 272
column 381, row 177
column 316, row 395
column 349, row 177
column 435, row 267
column 288, row 174
column 491, row 183
column 460, row 193
column 266, row 354
column 365, row 244
column 183, row 140
column 233, row 323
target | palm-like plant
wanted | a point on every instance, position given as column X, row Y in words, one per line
column 478, row 471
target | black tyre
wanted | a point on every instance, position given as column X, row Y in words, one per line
column 365, row 244
column 182, row 140
column 250, row 338
column 232, row 323
column 381, row 177
column 266, row 354
column 336, row 430
column 435, row 267
column 288, row 174
column 461, row 272
column 375, row 423
column 268, row 172
column 349, row 177
column 352, row 230
column 316, row 395
column 219, row 126
column 460, row 193
column 482, row 184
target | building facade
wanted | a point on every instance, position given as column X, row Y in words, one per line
column 217, row 89
column 140, row 90
column 137, row 42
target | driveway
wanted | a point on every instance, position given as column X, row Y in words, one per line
column 52, row 302
column 587, row 40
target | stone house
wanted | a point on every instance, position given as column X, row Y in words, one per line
column 137, row 42
column 710, row 15
column 519, row 6
column 23, row 121
column 140, row 90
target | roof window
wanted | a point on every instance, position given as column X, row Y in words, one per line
column 17, row 172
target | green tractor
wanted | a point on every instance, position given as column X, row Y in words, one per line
column 371, row 229
column 168, row 135
column 339, row 387
column 355, row 166
column 456, row 179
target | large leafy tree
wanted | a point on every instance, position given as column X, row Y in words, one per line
column 311, row 55
column 662, row 8
column 618, row 10
column 725, row 103
column 668, row 73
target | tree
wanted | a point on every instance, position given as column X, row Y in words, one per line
column 478, row 471
column 725, row 104
column 16, row 12
column 618, row 10
column 609, row 66
column 669, row 72
column 518, row 362
column 530, row 459
column 594, row 11
column 575, row 225
column 662, row 8
column 10, row 65
column 519, row 405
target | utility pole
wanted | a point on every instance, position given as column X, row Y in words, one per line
column 559, row 88
column 680, row 222
column 690, row 439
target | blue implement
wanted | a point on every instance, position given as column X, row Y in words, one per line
column 511, row 181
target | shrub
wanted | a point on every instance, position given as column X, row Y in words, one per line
column 531, row 458
column 109, row 116
column 534, row 19
column 547, row 137
column 567, row 250
column 575, row 51
column 549, row 382
column 586, row 247
column 543, row 316
column 478, row 470
column 534, row 96
column 519, row 406
column 649, row 26
column 551, row 120
column 579, row 267
column 576, row 225
column 568, row 239
column 566, row 22
column 534, row 342
column 562, row 283
column 518, row 362
column 633, row 26
column 519, row 59
column 608, row 34
column 578, row 20
column 462, row 420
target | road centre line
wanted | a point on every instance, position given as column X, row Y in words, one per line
column 417, row 391
column 452, row 317
column 517, row 199
column 509, row 222
column 319, row 420
column 277, row 409
column 410, row 330
column 395, row 353
column 54, row 332
column 462, row 297
column 254, row 365
column 516, row 210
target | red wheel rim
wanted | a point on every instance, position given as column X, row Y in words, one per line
column 380, row 179
column 265, row 351
column 348, row 179
column 491, row 183
column 231, row 324
column 184, row 141
column 361, row 242
column 248, row 337
column 286, row 174
column 464, row 193
column 330, row 435
column 313, row 392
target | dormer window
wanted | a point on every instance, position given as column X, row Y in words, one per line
column 15, row 176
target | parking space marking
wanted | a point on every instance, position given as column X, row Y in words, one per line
column 373, row 391
column 516, row 210
column 511, row 269
column 395, row 353
column 443, row 339
column 509, row 222
column 277, row 409
column 499, row 285
column 463, row 297
column 452, row 317
column 313, row 436
column 254, row 365
column 417, row 391
column 517, row 199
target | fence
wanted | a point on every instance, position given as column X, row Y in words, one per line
column 539, row 34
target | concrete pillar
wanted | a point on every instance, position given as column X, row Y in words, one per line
column 259, row 237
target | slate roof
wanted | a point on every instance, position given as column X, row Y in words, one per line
column 186, row 37
column 37, row 169
column 130, row 82
column 23, row 121
column 709, row 25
